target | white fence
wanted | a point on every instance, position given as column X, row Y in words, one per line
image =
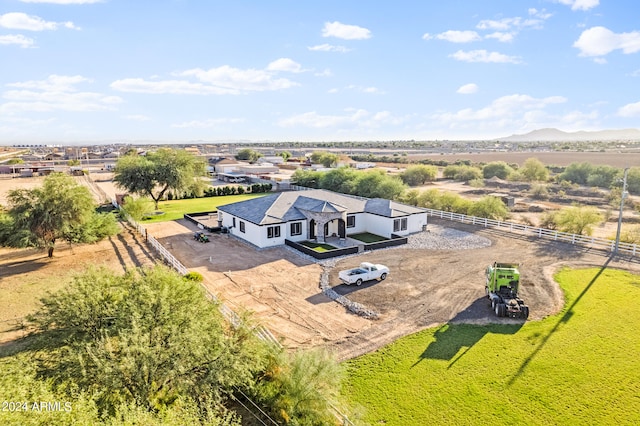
column 261, row 332
column 548, row 234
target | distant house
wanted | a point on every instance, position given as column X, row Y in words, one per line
column 315, row 214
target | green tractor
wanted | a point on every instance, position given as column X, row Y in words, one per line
column 503, row 281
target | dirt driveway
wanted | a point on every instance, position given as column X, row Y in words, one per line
column 424, row 288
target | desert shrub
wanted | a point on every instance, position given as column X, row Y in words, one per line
column 539, row 192
column 477, row 183
column 194, row 276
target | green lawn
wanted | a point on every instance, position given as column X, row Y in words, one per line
column 367, row 237
column 579, row 367
column 319, row 247
column 176, row 209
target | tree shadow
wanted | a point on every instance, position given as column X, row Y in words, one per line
column 457, row 334
column 562, row 320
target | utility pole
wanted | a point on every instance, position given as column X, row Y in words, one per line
column 623, row 195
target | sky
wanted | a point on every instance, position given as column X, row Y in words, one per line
column 88, row 71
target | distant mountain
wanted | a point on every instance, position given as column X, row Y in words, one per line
column 555, row 135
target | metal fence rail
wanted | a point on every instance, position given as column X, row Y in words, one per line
column 548, row 234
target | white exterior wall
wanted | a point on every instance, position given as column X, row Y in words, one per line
column 251, row 231
column 301, row 237
column 361, row 224
column 270, row 242
column 414, row 223
column 379, row 225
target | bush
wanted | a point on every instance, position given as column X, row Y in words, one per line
column 194, row 276
column 539, row 192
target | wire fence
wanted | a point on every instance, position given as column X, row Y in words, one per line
column 548, row 234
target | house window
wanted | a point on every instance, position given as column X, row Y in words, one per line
column 351, row 221
column 273, row 232
column 400, row 225
column 296, row 228
column 242, row 226
column 233, row 223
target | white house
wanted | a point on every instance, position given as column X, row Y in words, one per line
column 315, row 214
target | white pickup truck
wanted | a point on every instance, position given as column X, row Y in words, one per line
column 366, row 272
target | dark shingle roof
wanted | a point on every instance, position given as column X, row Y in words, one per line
column 287, row 206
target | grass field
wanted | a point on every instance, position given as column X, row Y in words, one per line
column 176, row 209
column 319, row 247
column 578, row 367
column 367, row 237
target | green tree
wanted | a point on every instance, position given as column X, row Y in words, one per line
column 306, row 177
column 498, row 169
column 418, row 175
column 533, row 170
column 377, row 184
column 489, row 207
column 633, row 180
column 603, row 176
column 57, row 210
column 285, row 155
column 300, row 388
column 15, row 161
column 462, row 172
column 158, row 172
column 576, row 173
column 137, row 208
column 248, row 154
column 327, row 159
column 148, row 339
column 342, row 180
column 578, row 219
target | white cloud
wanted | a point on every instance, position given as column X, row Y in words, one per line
column 332, row 91
column 635, row 73
column 56, row 93
column 467, row 89
column 18, row 39
column 505, row 108
column 580, row 4
column 285, row 64
column 224, row 80
column 63, row 1
column 206, row 124
column 22, row 21
column 600, row 41
column 630, row 110
column 507, row 24
column 427, row 36
column 501, row 36
column 484, row 56
column 459, row 36
column 346, row 32
column 325, row 73
column 328, row 48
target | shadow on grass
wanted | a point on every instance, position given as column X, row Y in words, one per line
column 450, row 338
column 562, row 320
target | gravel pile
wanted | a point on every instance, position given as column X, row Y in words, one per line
column 440, row 238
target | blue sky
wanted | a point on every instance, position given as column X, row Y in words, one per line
column 78, row 71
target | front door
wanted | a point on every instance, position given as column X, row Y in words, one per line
column 341, row 229
column 312, row 229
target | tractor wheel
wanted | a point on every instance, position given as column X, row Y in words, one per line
column 383, row 276
column 496, row 308
column 359, row 282
column 524, row 310
column 494, row 302
column 503, row 309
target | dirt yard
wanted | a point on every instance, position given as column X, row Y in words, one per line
column 424, row 288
